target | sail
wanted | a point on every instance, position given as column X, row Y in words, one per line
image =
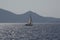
column 30, row 20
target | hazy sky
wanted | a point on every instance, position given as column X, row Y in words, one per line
column 49, row 8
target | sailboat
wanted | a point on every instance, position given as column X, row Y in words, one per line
column 29, row 22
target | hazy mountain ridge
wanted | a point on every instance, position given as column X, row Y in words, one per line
column 9, row 17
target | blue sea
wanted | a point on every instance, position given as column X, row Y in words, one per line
column 39, row 31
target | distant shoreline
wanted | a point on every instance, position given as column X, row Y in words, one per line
column 27, row 23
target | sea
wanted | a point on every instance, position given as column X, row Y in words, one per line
column 38, row 31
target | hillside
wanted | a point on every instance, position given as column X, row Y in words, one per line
column 9, row 17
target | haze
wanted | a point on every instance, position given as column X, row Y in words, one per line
column 47, row 8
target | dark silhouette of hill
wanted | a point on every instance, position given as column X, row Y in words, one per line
column 9, row 17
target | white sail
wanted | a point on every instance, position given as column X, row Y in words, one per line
column 30, row 20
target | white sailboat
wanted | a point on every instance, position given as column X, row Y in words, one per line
column 29, row 22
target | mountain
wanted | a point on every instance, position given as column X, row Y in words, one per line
column 9, row 17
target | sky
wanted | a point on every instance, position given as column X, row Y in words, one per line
column 47, row 8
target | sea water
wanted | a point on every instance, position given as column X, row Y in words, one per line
column 40, row 31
